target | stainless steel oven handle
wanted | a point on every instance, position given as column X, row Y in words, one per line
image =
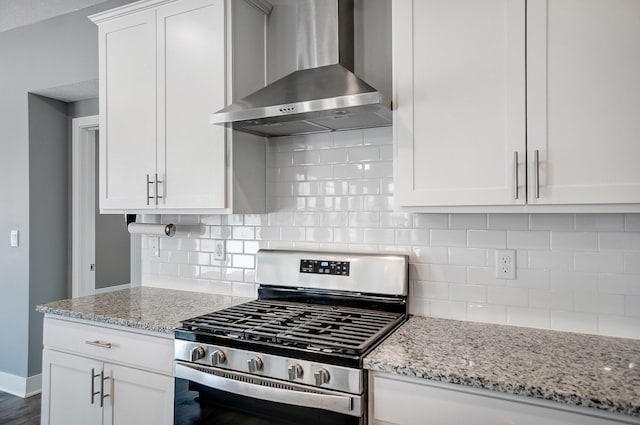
column 334, row 403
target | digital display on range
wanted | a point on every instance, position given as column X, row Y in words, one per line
column 339, row 268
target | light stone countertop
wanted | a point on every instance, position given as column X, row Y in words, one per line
column 152, row 309
column 585, row 370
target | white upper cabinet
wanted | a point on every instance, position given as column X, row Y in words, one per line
column 127, row 149
column 583, row 94
column 165, row 66
column 459, row 101
column 466, row 135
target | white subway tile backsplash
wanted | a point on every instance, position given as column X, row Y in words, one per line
column 528, row 240
column 456, row 310
column 468, row 221
column 573, row 281
column 487, row 313
column 599, row 303
column 334, row 191
column 442, row 237
column 574, row 322
column 447, row 273
column 431, row 290
column 348, row 171
column 632, row 222
column 487, row 238
column 431, row 221
column 619, row 241
column 574, row 240
column 554, row 222
column 528, row 317
column 471, row 293
column 530, row 278
column 378, row 136
column 632, row 305
column 508, row 221
column 412, row 236
column 615, row 283
column 621, row 326
column 609, row 262
column 551, row 260
column 600, row 222
column 508, row 296
column 468, row 256
column 430, row 254
column 348, row 138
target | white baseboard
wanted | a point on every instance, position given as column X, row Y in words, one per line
column 19, row 386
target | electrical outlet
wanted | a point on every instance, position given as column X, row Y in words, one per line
column 219, row 253
column 506, row 264
column 154, row 246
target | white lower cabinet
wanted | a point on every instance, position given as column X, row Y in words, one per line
column 396, row 400
column 80, row 386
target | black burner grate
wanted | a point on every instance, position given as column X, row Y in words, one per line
column 310, row 326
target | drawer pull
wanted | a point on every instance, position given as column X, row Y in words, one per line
column 94, row 375
column 99, row 344
column 102, row 394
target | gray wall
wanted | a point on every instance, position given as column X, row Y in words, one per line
column 82, row 108
column 48, row 206
column 59, row 51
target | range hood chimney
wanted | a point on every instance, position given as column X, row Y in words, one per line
column 324, row 94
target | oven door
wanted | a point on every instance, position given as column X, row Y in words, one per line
column 208, row 395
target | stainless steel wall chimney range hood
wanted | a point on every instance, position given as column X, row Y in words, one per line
column 324, row 94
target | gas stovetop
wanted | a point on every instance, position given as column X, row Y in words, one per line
column 315, row 327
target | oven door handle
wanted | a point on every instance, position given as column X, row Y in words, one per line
column 350, row 405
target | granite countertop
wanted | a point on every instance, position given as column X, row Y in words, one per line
column 153, row 309
column 585, row 370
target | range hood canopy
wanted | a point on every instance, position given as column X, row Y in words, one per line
column 323, row 95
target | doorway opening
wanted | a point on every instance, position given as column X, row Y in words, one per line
column 101, row 245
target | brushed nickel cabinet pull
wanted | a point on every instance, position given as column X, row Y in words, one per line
column 157, row 192
column 102, row 394
column 536, row 166
column 515, row 175
column 94, row 375
column 149, row 182
column 99, row 344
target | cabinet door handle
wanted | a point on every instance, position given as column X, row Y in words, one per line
column 149, row 182
column 102, row 394
column 515, row 175
column 158, row 193
column 536, row 169
column 99, row 344
column 94, row 375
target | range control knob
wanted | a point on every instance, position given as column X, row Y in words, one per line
column 321, row 376
column 218, row 357
column 295, row 371
column 254, row 364
column 197, row 353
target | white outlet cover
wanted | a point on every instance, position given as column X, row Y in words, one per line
column 506, row 264
column 154, row 246
column 220, row 251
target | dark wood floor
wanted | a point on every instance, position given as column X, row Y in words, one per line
column 19, row 411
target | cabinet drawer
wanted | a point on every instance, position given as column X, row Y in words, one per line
column 120, row 346
column 411, row 401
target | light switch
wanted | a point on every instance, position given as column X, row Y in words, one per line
column 14, row 238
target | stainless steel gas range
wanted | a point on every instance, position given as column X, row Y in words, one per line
column 294, row 355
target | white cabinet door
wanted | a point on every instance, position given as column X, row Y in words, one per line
column 137, row 397
column 459, row 82
column 191, row 85
column 127, row 68
column 67, row 397
column 583, row 98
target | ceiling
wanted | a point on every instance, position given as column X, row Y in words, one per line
column 17, row 13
